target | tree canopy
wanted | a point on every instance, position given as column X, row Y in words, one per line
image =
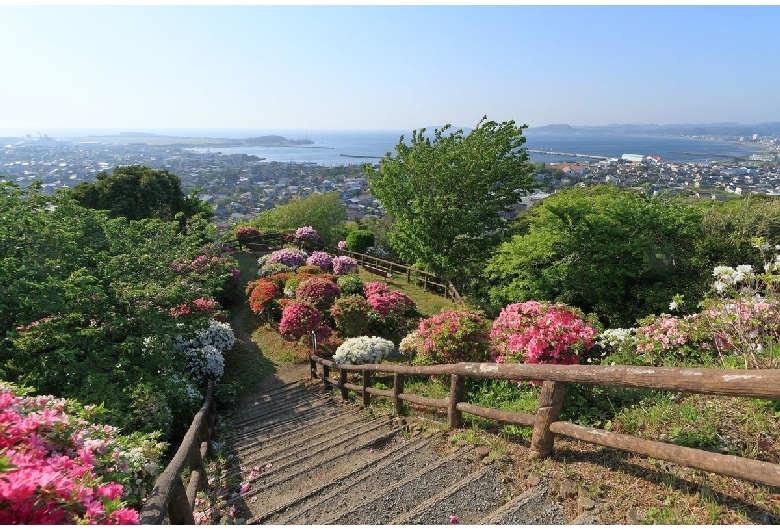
column 139, row 192
column 606, row 250
column 322, row 211
column 446, row 194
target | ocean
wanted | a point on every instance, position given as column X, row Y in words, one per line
column 334, row 148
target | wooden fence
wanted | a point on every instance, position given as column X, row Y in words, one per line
column 740, row 383
column 169, row 494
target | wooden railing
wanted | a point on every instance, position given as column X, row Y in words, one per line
column 739, row 383
column 169, row 494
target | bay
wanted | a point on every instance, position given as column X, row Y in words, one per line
column 335, row 148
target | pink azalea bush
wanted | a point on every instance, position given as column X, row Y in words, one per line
column 323, row 260
column 451, row 337
column 307, row 234
column 370, row 288
column 392, row 310
column 246, row 232
column 342, row 245
column 58, row 468
column 344, row 265
column 534, row 332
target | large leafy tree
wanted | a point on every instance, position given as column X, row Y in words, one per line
column 322, row 211
column 139, row 192
column 606, row 250
column 446, row 194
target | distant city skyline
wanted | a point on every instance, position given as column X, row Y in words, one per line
column 296, row 68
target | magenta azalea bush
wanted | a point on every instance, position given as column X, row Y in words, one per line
column 450, row 337
column 317, row 290
column 535, row 332
column 323, row 260
column 393, row 310
column 56, row 467
column 307, row 234
column 344, row 265
column 299, row 319
column 370, row 288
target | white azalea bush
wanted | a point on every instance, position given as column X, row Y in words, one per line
column 204, row 351
column 363, row 350
column 616, row 344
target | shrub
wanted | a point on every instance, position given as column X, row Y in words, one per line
column 56, row 467
column 344, row 265
column 360, row 240
column 533, row 332
column 370, row 288
column 363, row 350
column 204, row 351
column 323, row 260
column 351, row 315
column 246, row 232
column 342, row 245
column 273, row 269
column 287, row 256
column 262, row 295
column 393, row 311
column 451, row 337
column 616, row 345
column 320, row 292
column 299, row 319
column 350, row 284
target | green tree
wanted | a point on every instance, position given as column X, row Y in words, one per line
column 605, row 250
column 322, row 211
column 447, row 194
column 360, row 240
column 139, row 192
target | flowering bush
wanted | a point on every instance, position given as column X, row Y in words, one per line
column 393, row 310
column 350, row 284
column 363, row 350
column 344, row 265
column 263, row 293
column 204, row 351
column 323, row 260
column 274, row 269
column 409, row 346
column 299, row 319
column 320, row 292
column 617, row 344
column 307, row 234
column 351, row 315
column 287, row 256
column 245, row 232
column 56, row 467
column 375, row 288
column 534, row 332
column 379, row 252
column 342, row 245
column 451, row 337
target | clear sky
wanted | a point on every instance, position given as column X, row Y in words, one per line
column 397, row 67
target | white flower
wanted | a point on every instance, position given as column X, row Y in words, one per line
column 363, row 350
column 673, row 305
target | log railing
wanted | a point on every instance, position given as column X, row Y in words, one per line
column 169, row 495
column 763, row 384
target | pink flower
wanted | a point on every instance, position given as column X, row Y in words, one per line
column 453, row 519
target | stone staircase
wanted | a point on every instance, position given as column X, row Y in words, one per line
column 312, row 458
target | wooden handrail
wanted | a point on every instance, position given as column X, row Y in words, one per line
column 764, row 384
column 169, row 494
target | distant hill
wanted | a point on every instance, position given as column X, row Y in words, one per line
column 709, row 129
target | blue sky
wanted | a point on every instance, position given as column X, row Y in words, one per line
column 398, row 67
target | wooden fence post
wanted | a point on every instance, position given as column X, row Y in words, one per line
column 313, row 367
column 550, row 403
column 454, row 416
column 398, row 389
column 342, row 380
column 366, row 384
column 179, row 508
column 325, row 375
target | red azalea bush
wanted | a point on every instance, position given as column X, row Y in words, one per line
column 534, row 332
column 351, row 315
column 452, row 337
column 262, row 295
column 320, row 292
